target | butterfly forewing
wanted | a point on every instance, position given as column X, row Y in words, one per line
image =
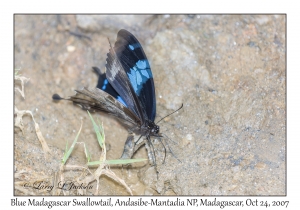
column 134, row 62
column 118, row 79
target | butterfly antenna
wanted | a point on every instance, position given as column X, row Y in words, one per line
column 170, row 114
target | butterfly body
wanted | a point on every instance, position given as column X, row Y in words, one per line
column 126, row 90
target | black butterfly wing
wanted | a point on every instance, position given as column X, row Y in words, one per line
column 104, row 85
column 129, row 72
column 98, row 100
column 118, row 79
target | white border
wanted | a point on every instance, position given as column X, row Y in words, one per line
column 154, row 6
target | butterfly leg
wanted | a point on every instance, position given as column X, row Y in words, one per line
column 151, row 151
column 128, row 147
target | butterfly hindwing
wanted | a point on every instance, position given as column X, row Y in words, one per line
column 98, row 100
column 104, row 85
column 135, row 65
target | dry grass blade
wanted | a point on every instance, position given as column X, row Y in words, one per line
column 113, row 176
column 22, row 80
column 19, row 123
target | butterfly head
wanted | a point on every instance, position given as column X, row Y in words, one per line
column 153, row 128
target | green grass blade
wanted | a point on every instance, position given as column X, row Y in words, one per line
column 99, row 131
column 17, row 71
column 114, row 162
column 68, row 153
column 87, row 154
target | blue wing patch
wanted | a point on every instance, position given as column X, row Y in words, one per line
column 139, row 74
column 104, row 85
column 134, row 46
column 121, row 100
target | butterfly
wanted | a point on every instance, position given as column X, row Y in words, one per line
column 126, row 90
